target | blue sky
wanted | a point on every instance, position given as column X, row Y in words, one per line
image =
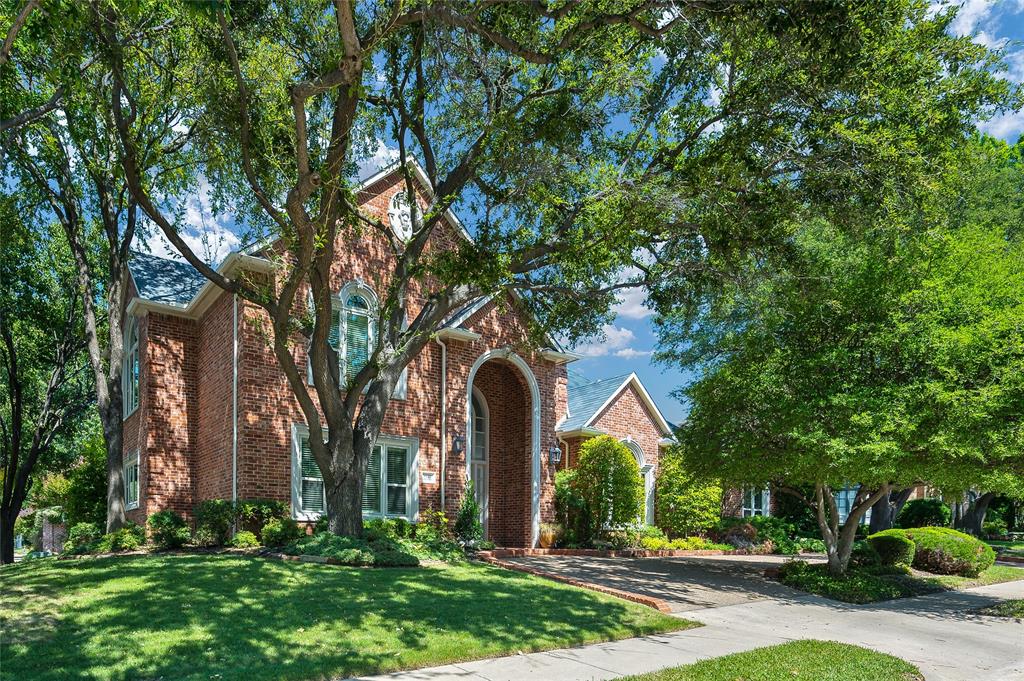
column 629, row 340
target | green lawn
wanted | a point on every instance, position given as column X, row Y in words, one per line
column 224, row 617
column 864, row 586
column 1012, row 608
column 1012, row 548
column 794, row 661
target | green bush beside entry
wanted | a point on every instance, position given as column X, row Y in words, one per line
column 893, row 547
column 924, row 513
column 608, row 480
column 945, row 551
column 685, row 505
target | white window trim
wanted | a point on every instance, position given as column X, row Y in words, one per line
column 129, row 387
column 750, row 511
column 132, row 460
column 412, row 490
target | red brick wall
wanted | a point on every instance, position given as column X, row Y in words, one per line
column 215, row 347
column 628, row 417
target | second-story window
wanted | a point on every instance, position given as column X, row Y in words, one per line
column 130, row 369
column 352, row 329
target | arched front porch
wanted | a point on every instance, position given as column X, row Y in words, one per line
column 503, row 446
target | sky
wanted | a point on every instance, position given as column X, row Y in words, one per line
column 629, row 341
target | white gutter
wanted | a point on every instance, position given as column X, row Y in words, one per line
column 444, row 425
column 234, row 402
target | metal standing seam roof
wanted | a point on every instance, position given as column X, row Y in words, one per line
column 172, row 282
column 586, row 397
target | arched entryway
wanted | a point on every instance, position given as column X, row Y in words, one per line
column 646, row 475
column 503, row 409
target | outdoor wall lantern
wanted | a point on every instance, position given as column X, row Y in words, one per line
column 554, row 455
column 459, row 444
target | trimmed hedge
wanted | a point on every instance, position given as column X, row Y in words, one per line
column 279, row 532
column 893, row 547
column 946, row 551
column 168, row 530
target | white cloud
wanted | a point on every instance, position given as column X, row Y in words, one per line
column 615, row 338
column 381, row 157
column 1008, row 126
column 208, row 237
column 632, row 304
column 972, row 14
column 630, row 353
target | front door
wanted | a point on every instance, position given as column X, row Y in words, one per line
column 479, row 471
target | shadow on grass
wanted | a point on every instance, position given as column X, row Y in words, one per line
column 225, row 617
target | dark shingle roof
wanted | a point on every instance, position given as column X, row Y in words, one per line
column 586, row 397
column 172, row 282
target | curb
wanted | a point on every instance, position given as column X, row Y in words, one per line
column 650, row 601
column 1010, row 559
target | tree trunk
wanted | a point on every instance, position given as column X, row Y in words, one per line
column 345, row 506
column 972, row 516
column 885, row 510
column 7, row 539
column 112, row 436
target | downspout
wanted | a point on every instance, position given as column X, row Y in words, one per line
column 444, row 422
column 234, row 402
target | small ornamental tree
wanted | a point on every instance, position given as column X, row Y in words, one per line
column 608, row 479
column 686, row 505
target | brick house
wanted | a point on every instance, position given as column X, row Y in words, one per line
column 210, row 415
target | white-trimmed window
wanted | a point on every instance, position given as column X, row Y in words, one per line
column 130, row 369
column 844, row 504
column 131, row 480
column 390, row 487
column 756, row 502
column 646, row 475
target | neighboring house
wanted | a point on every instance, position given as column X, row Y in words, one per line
column 210, row 415
column 752, row 501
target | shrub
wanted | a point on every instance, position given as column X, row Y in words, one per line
column 392, row 528
column 378, row 552
column 741, row 536
column 893, row 547
column 608, row 479
column 282, row 531
column 216, row 516
column 468, row 528
column 81, row 536
column 168, row 529
column 128, row 538
column 245, row 540
column 203, row 537
column 995, row 528
column 684, row 504
column 433, row 526
column 253, row 514
column 946, row 551
column 811, row 545
column 571, row 510
column 87, row 490
column 924, row 513
column 319, row 526
column 864, row 554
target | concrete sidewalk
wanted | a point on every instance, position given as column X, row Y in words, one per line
column 937, row 633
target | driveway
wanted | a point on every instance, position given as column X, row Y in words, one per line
column 684, row 583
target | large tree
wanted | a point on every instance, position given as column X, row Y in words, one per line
column 43, row 387
column 589, row 146
column 878, row 359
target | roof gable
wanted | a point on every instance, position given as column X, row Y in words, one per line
column 588, row 400
column 162, row 280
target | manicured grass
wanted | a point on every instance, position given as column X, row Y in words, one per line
column 794, row 661
column 865, row 586
column 1012, row 548
column 1012, row 608
column 226, row 617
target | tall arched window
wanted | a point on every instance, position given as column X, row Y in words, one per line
column 647, row 476
column 353, row 328
column 130, row 369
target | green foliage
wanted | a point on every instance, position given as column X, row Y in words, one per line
column 864, row 555
column 87, row 492
column 924, row 513
column 168, row 530
column 245, row 540
column 282, row 531
column 571, row 510
column 946, row 551
column 608, row 480
column 893, row 547
column 434, row 526
column 378, row 551
column 468, row 528
column 253, row 514
column 81, row 536
column 397, row 528
column 214, row 519
column 685, row 505
column 995, row 528
column 129, row 538
column 857, row 586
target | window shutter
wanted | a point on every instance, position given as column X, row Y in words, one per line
column 371, row 490
column 357, row 340
column 312, row 481
column 396, row 469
